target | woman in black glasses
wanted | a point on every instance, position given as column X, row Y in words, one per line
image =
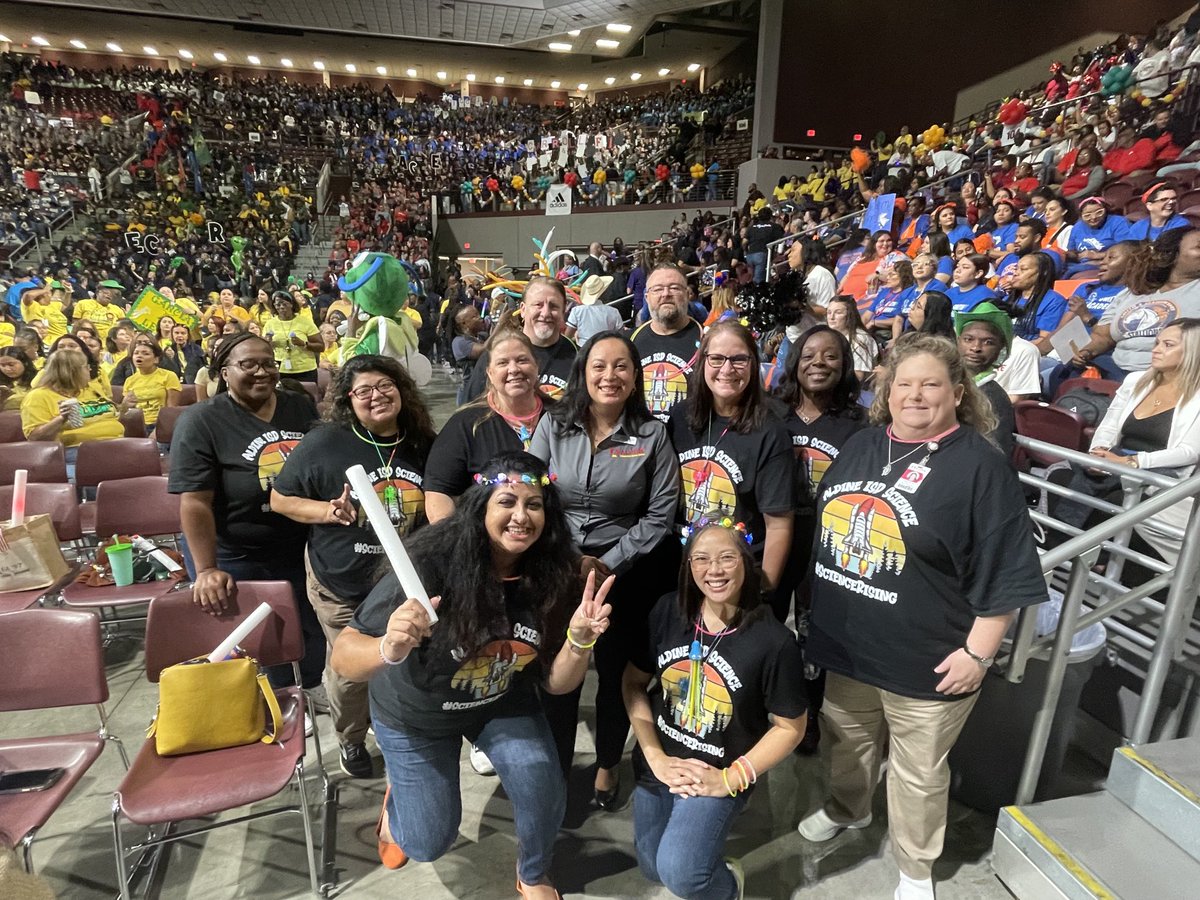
column 377, row 420
column 736, row 459
column 226, row 454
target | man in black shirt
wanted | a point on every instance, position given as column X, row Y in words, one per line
column 669, row 343
column 758, row 236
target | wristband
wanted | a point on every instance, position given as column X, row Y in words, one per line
column 383, row 656
column 725, row 779
column 985, row 661
column 578, row 646
column 749, row 765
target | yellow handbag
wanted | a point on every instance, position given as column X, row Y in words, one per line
column 206, row 705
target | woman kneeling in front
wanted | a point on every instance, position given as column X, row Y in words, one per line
column 924, row 552
column 507, row 575
column 726, row 703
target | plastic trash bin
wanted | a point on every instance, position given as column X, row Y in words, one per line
column 986, row 761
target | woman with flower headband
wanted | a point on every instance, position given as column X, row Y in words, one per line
column 503, row 419
column 619, row 481
column 715, row 694
column 377, row 420
column 504, row 577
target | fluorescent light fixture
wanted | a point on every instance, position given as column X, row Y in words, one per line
column 381, row 70
column 528, row 82
column 470, row 76
column 253, row 60
column 608, row 44
column 351, row 68
column 318, row 65
column 662, row 72
column 5, row 38
column 499, row 79
column 560, row 47
column 617, row 28
column 412, row 73
column 285, row 62
column 574, row 32
column 692, row 67
column 583, row 86
column 150, row 51
column 610, row 80
column 185, row 54
column 220, row 57
column 78, row 44
column 40, row 41
column 441, row 76
column 635, row 76
column 556, row 84
column 114, row 47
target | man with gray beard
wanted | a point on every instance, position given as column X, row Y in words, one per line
column 669, row 343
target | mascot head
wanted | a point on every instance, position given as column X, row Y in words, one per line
column 376, row 283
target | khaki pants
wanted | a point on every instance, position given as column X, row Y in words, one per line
column 348, row 703
column 920, row 733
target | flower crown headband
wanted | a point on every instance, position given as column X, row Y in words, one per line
column 505, row 478
column 720, row 521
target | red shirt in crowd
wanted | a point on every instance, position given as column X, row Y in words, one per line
column 1124, row 161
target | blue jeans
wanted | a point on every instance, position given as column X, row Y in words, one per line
column 425, row 805
column 243, row 568
column 680, row 841
column 758, row 262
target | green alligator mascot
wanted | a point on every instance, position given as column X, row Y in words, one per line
column 378, row 287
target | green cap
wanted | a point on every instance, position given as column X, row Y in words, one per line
column 991, row 313
column 57, row 286
column 115, row 285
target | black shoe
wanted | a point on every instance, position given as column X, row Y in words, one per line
column 356, row 761
column 607, row 800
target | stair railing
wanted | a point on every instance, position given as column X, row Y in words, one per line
column 1078, row 555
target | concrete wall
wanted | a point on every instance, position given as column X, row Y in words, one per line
column 510, row 235
column 766, row 174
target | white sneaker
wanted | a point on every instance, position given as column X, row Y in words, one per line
column 914, row 889
column 308, row 725
column 480, row 763
column 739, row 875
column 819, row 828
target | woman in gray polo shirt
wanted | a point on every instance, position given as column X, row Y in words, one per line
column 619, row 480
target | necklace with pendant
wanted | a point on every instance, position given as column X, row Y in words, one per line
column 522, row 425
column 391, row 496
column 930, row 447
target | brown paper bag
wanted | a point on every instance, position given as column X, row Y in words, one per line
column 30, row 557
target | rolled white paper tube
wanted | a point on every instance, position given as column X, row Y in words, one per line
column 20, row 479
column 252, row 621
column 410, row 581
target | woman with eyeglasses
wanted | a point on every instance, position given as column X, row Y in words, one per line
column 227, row 453
column 735, row 458
column 1161, row 201
column 377, row 420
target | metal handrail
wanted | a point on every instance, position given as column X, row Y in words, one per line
column 1082, row 551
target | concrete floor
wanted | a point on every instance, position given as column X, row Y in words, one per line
column 265, row 859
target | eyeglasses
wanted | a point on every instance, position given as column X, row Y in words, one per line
column 250, row 366
column 724, row 560
column 1162, row 200
column 385, row 389
column 661, row 289
column 737, row 363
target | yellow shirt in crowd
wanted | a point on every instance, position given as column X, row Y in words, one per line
column 103, row 315
column 51, row 313
column 291, row 359
column 100, row 420
column 15, row 398
column 151, row 390
column 8, row 331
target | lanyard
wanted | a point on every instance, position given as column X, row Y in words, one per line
column 391, row 497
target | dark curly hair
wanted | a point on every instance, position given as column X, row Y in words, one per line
column 93, row 366
column 453, row 558
column 416, row 427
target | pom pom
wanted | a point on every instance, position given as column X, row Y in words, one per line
column 860, row 160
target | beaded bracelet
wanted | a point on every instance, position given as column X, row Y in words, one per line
column 578, row 646
column 725, row 779
column 383, row 656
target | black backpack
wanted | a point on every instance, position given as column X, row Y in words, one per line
column 1089, row 405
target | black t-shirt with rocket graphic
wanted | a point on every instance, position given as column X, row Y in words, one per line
column 439, row 694
column 905, row 562
column 750, row 672
column 667, row 362
column 344, row 557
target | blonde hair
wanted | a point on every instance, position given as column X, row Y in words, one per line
column 1189, row 369
column 974, row 409
column 723, row 299
column 66, row 372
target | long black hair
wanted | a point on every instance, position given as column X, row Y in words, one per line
column 939, row 315
column 691, row 598
column 1027, row 307
column 453, row 558
column 93, row 366
column 25, row 379
column 843, row 397
column 416, row 426
column 752, row 407
column 574, row 408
